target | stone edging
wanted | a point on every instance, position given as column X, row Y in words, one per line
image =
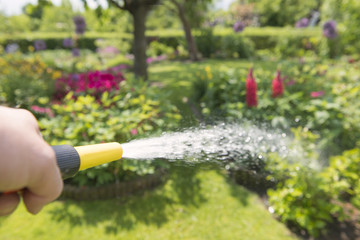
column 115, row 190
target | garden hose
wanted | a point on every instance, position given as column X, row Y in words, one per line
column 74, row 159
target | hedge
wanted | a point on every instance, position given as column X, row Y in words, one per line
column 262, row 38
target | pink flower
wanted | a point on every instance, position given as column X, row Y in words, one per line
column 95, row 83
column 42, row 110
column 291, row 82
column 251, row 88
column 317, row 94
column 277, row 86
column 134, row 131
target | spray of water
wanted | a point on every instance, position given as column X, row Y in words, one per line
column 218, row 142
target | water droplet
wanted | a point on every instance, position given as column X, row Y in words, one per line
column 271, row 210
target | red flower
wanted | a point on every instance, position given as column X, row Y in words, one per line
column 133, row 131
column 317, row 94
column 251, row 87
column 277, row 86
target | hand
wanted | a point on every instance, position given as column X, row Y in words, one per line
column 27, row 163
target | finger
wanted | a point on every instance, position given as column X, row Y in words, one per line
column 33, row 202
column 8, row 203
column 47, row 185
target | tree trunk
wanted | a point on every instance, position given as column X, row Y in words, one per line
column 139, row 15
column 193, row 52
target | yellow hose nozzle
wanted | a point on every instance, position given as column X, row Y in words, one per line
column 73, row 159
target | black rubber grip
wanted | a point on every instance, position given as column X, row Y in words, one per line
column 68, row 160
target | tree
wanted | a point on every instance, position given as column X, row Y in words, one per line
column 285, row 12
column 36, row 10
column 138, row 10
column 189, row 14
column 58, row 18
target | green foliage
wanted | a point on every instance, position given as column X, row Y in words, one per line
column 347, row 15
column 207, row 43
column 196, row 11
column 161, row 17
column 285, row 12
column 301, row 199
column 280, row 41
column 24, row 81
column 222, row 93
column 58, row 18
column 87, row 61
column 136, row 109
column 236, row 46
column 310, row 198
column 108, row 20
column 36, row 11
column 305, row 196
column 232, row 45
column 156, row 48
column 343, row 173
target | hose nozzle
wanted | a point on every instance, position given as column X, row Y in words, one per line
column 73, row 159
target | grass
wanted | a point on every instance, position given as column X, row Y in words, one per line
column 195, row 203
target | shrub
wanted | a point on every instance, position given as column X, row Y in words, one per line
column 236, row 46
column 304, row 197
column 24, row 80
column 118, row 116
column 207, row 43
column 344, row 171
column 157, row 49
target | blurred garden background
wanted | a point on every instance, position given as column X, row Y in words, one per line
column 119, row 70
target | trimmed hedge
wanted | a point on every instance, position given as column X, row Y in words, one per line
column 260, row 38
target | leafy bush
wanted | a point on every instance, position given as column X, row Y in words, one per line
column 302, row 199
column 207, row 43
column 157, row 49
column 344, row 171
column 24, row 81
column 311, row 198
column 135, row 109
column 236, row 46
column 310, row 100
column 305, row 196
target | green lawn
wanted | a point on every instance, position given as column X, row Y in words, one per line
column 195, row 203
